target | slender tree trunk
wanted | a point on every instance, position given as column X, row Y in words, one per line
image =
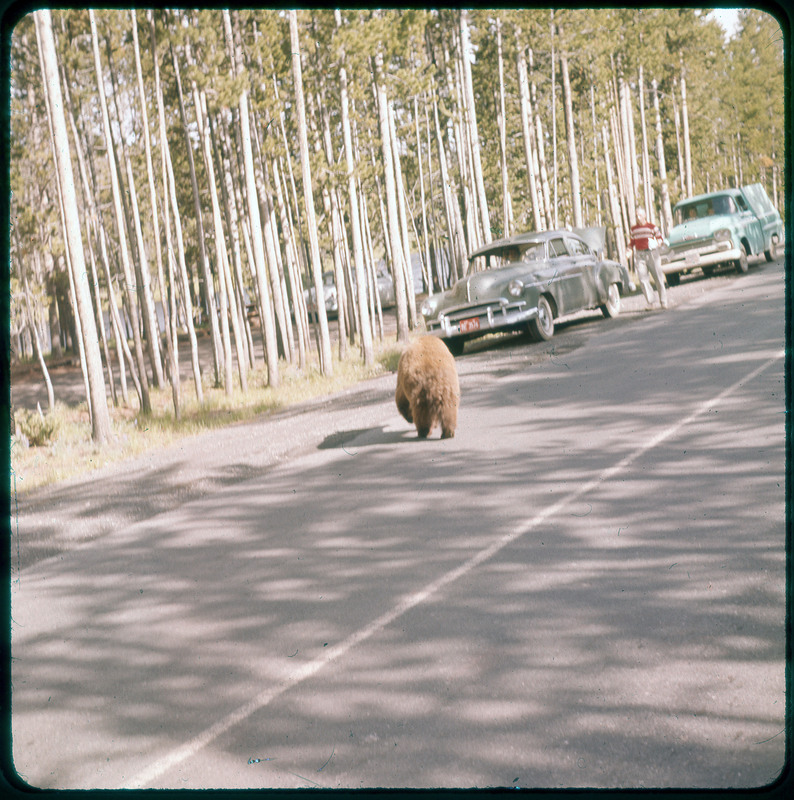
column 614, row 203
column 169, row 192
column 150, row 326
column 679, row 152
column 527, row 130
column 367, row 352
column 227, row 303
column 454, row 222
column 647, row 181
column 129, row 280
column 472, row 119
column 208, row 283
column 687, row 146
column 100, row 416
column 544, row 175
column 595, row 155
column 152, row 199
column 326, row 363
column 37, row 346
column 507, row 223
column 667, row 214
column 425, row 238
column 410, row 293
column 91, row 213
column 391, row 203
column 573, row 161
column 154, row 347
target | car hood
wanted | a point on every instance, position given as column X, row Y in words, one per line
column 488, row 284
column 702, row 228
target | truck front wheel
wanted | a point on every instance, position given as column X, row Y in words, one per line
column 741, row 263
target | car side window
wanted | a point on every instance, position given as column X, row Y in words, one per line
column 577, row 248
column 557, row 248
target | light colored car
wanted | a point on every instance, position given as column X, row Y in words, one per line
column 721, row 229
column 529, row 280
column 383, row 281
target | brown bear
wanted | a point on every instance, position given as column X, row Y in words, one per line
column 427, row 387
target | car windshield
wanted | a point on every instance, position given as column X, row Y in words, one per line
column 512, row 254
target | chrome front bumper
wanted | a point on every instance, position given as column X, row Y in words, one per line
column 697, row 258
column 480, row 319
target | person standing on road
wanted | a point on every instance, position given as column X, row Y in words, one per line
column 645, row 241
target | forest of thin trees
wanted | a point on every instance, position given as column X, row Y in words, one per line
column 175, row 171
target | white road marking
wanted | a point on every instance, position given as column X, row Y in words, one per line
column 189, row 749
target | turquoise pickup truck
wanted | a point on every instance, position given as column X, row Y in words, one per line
column 721, row 229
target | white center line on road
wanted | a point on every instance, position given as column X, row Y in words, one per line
column 189, row 749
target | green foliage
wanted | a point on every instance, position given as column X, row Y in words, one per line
column 39, row 430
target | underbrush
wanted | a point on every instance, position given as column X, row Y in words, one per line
column 57, row 445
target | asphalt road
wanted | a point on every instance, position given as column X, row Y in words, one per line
column 584, row 588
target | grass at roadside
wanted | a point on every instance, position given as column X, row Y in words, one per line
column 69, row 450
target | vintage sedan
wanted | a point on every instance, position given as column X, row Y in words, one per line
column 528, row 281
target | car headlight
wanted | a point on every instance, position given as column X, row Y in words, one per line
column 428, row 307
column 515, row 287
column 722, row 235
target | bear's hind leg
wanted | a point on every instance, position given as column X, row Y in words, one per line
column 403, row 404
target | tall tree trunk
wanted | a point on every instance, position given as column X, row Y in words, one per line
column 573, row 161
column 614, row 203
column 544, row 175
column 647, row 180
column 227, row 302
column 326, row 363
column 454, row 222
column 410, row 293
column 153, row 203
column 527, row 131
column 595, row 154
column 667, row 214
column 91, row 213
column 150, row 326
column 687, row 145
column 129, row 280
column 472, row 125
column 391, row 203
column 507, row 223
column 355, row 227
column 679, row 151
column 100, row 416
column 419, row 159
column 37, row 346
column 254, row 219
column 169, row 192
column 208, row 283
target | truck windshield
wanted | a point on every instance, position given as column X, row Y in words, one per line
column 710, row 206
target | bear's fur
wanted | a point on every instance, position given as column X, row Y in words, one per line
column 428, row 391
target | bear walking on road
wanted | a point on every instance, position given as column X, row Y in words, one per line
column 427, row 387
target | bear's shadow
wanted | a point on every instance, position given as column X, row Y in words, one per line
column 365, row 437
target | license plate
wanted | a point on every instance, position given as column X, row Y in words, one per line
column 692, row 259
column 469, row 325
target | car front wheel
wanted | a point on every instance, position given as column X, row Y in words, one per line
column 541, row 328
column 741, row 263
column 611, row 308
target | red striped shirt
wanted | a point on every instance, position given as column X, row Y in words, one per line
column 641, row 233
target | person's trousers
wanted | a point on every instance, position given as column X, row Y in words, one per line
column 649, row 263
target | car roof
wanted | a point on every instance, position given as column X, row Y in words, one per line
column 520, row 238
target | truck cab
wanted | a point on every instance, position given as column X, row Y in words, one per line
column 721, row 229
